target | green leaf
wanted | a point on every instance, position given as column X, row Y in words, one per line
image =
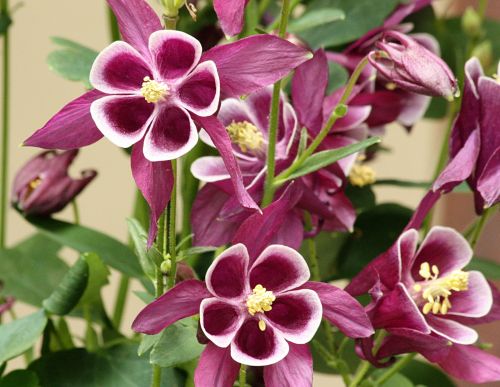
column 177, row 344
column 397, row 380
column 147, row 343
column 20, row 378
column 193, row 251
column 73, row 61
column 316, row 18
column 67, row 295
column 98, row 278
column 404, row 183
column 362, row 198
column 86, row 240
column 463, row 187
column 490, row 269
column 425, row 374
column 19, row 335
column 360, row 17
column 118, row 366
column 5, row 22
column 375, row 231
column 35, row 255
column 337, row 77
column 323, row 159
column 148, row 259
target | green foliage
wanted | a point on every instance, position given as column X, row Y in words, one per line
column 315, row 19
column 149, row 259
column 32, row 257
column 84, row 240
column 337, row 76
column 5, row 23
column 19, row 335
column 425, row 374
column 72, row 61
column 117, row 366
column 490, row 269
column 397, row 380
column 20, row 378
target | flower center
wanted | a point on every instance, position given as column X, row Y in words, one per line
column 361, row 175
column 260, row 301
column 436, row 291
column 32, row 186
column 152, row 90
column 245, row 135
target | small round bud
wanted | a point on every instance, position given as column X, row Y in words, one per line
column 341, row 110
column 165, row 266
column 471, row 23
column 484, row 52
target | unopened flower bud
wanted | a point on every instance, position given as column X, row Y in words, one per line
column 184, row 272
column 410, row 66
column 471, row 23
column 484, row 52
column 165, row 266
column 42, row 186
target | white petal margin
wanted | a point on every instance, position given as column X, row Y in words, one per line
column 452, row 330
column 210, row 169
column 476, row 301
column 223, row 340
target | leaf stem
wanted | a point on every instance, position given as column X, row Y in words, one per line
column 120, row 301
column 4, row 9
column 172, row 235
column 364, row 366
column 396, row 367
column 479, row 226
column 114, row 31
column 274, row 118
column 76, row 212
column 243, row 376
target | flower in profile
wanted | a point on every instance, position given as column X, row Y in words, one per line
column 42, row 186
column 426, row 289
column 411, row 66
column 254, row 317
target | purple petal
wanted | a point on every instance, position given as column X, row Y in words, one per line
column 231, row 15
column 296, row 369
column 155, row 181
column 200, row 91
column 226, row 276
column 488, row 184
column 119, row 69
column 452, row 330
column 221, row 139
column 470, row 363
column 445, row 248
column 474, row 302
column 220, row 321
column 122, row 119
column 137, row 21
column 397, row 310
column 259, row 230
column 183, row 300
column 292, row 267
column 407, row 248
column 254, row 347
column 72, row 127
column 172, row 134
column 216, row 368
column 308, row 90
column 342, row 310
column 174, row 53
column 240, row 76
column 291, row 232
column 423, row 208
column 297, row 315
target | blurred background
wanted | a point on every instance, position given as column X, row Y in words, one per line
column 37, row 93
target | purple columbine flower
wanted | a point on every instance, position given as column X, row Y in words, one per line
column 413, row 67
column 426, row 289
column 42, row 186
column 254, row 317
column 231, row 14
column 155, row 89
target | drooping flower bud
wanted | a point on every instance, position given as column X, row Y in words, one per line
column 472, row 23
column 42, row 186
column 409, row 65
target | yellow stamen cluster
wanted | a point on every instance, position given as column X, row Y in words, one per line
column 32, row 186
column 438, row 291
column 245, row 135
column 362, row 175
column 152, row 90
column 260, row 301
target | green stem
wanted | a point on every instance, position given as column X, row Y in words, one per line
column 311, row 245
column 400, row 364
column 341, row 105
column 172, row 235
column 5, row 129
column 243, row 376
column 263, row 6
column 274, row 118
column 114, row 31
column 482, row 8
column 171, row 21
column 120, row 301
column 479, row 226
column 76, row 212
column 364, row 366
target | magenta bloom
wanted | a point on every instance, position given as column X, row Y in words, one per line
column 231, row 14
column 413, row 67
column 254, row 317
column 426, row 290
column 42, row 186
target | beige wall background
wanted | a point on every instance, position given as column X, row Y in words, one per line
column 37, row 94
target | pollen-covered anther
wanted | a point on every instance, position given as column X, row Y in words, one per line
column 32, row 186
column 245, row 135
column 436, row 291
column 260, row 301
column 362, row 175
column 152, row 90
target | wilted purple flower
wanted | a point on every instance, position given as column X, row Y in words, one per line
column 413, row 67
column 253, row 317
column 42, row 186
column 427, row 289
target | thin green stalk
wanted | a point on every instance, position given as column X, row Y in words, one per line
column 482, row 8
column 312, row 254
column 243, row 376
column 364, row 366
column 76, row 212
column 263, row 6
column 479, row 226
column 274, row 118
column 336, row 114
column 5, row 130
column 120, row 301
column 396, row 367
column 172, row 235
column 114, row 31
column 171, row 21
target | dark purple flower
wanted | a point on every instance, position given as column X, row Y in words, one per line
column 42, row 186
column 156, row 88
column 253, row 317
column 412, row 66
